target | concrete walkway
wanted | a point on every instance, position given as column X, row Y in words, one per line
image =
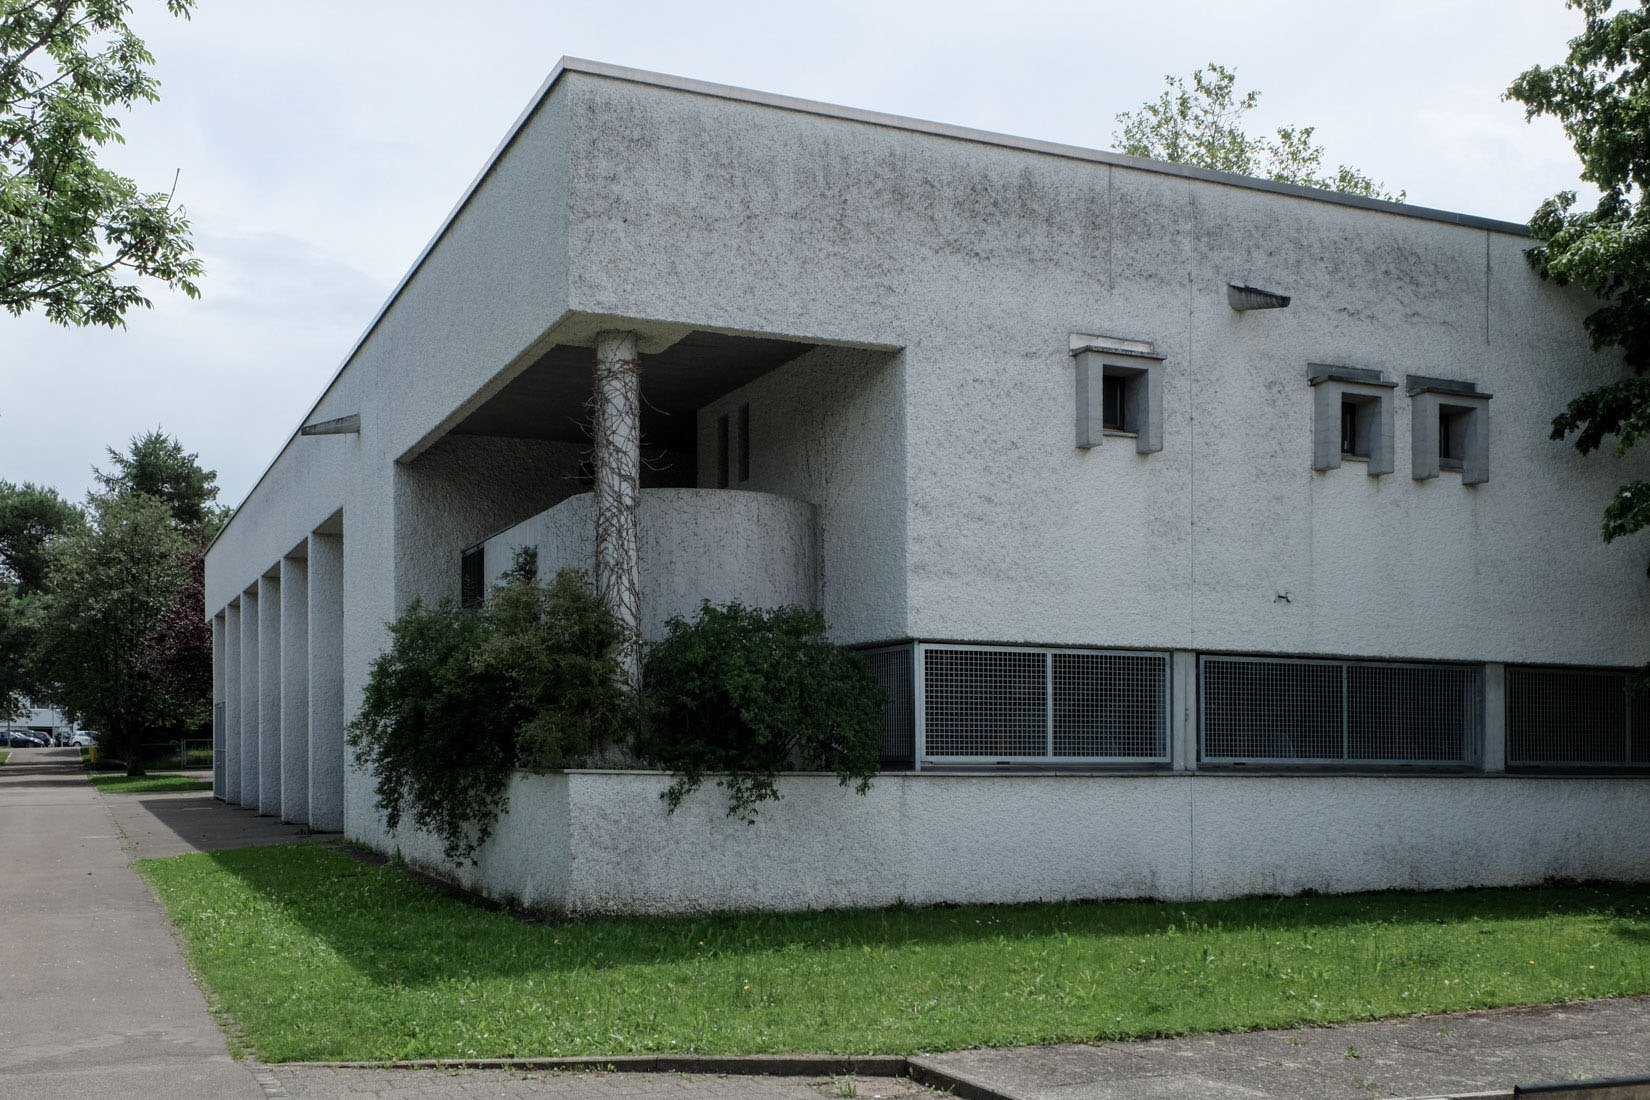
column 95, row 998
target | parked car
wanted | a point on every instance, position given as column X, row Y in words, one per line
column 22, row 739
column 82, row 738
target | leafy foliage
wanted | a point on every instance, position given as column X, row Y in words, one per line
column 1202, row 125
column 463, row 696
column 31, row 518
column 1601, row 94
column 751, row 693
column 158, row 466
column 72, row 233
column 111, row 580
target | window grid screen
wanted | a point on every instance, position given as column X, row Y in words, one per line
column 892, row 668
column 1575, row 716
column 1110, row 704
column 472, row 577
column 1033, row 704
column 1299, row 711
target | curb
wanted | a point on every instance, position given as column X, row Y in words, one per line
column 924, row 1071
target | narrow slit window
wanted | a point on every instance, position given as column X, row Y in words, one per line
column 744, row 443
column 1452, row 438
column 1113, row 404
column 1349, row 430
column 722, row 442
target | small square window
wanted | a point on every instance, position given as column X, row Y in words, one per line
column 1119, row 391
column 1353, row 418
column 1450, row 428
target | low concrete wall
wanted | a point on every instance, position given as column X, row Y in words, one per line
column 592, row 842
column 696, row 544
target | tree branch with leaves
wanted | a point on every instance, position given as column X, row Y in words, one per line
column 1201, row 124
column 75, row 236
column 1601, row 94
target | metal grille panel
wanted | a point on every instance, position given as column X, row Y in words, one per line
column 892, row 668
column 1110, row 704
column 1413, row 713
column 985, row 702
column 1302, row 711
column 1273, row 710
column 1573, row 716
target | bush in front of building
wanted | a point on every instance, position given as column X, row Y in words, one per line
column 745, row 694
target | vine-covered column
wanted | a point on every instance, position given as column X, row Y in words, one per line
column 618, row 465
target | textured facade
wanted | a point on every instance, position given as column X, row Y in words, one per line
column 994, row 406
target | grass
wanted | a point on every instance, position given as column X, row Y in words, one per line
column 148, row 784
column 314, row 955
column 4, row 756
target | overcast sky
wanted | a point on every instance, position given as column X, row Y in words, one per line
column 321, row 143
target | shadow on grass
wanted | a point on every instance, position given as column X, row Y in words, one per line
column 400, row 931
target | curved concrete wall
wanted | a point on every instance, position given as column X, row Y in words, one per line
column 590, row 842
column 696, row 544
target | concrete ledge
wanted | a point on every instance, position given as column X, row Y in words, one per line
column 1602, row 1088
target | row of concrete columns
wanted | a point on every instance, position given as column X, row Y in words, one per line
column 278, row 690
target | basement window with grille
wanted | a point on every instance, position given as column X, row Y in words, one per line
column 986, row 705
column 1288, row 711
column 1575, row 718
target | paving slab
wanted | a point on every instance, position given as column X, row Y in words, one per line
column 1445, row 1055
column 315, row 1083
column 95, row 996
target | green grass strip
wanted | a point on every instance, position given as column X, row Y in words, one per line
column 4, row 756
column 148, row 784
column 313, row 955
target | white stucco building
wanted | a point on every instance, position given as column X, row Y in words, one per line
column 1179, row 590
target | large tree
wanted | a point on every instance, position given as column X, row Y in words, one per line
column 31, row 518
column 75, row 236
column 1202, row 125
column 159, row 467
column 1601, row 94
column 112, row 581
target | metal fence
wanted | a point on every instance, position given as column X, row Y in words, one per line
column 892, row 668
column 1567, row 717
column 1298, row 711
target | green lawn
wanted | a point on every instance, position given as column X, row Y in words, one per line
column 148, row 784
column 4, row 756
column 313, row 955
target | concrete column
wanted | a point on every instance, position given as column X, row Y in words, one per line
column 217, row 705
column 1495, row 718
column 1183, row 710
column 232, row 703
column 618, row 467
column 326, row 682
column 269, row 695
column 249, row 698
column 295, row 689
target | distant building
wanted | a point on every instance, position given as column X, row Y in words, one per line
column 1205, row 530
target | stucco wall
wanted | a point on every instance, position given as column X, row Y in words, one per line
column 696, row 544
column 829, row 428
column 610, row 847
column 980, row 262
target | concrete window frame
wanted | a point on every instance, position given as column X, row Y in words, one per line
column 1455, row 414
column 1138, row 368
column 1372, row 394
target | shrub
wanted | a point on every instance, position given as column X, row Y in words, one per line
column 461, row 697
column 751, row 693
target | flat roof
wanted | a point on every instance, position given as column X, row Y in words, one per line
column 870, row 118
